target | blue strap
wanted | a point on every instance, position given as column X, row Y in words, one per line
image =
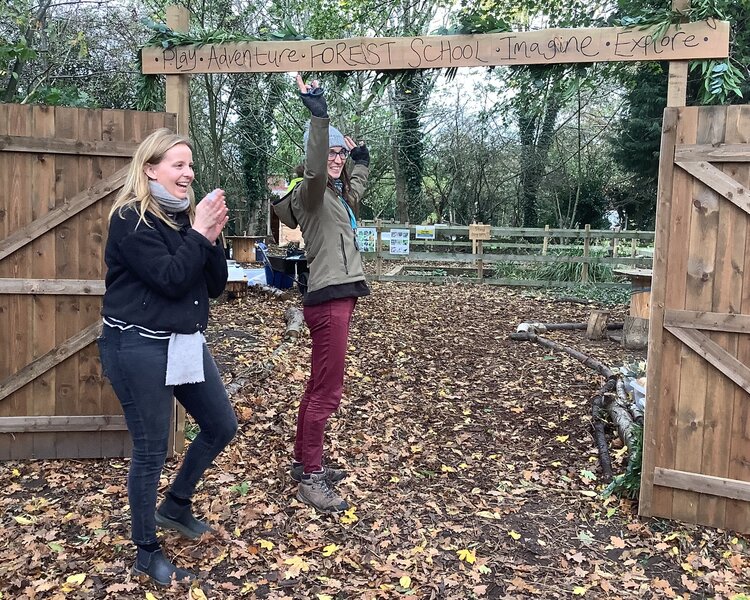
column 350, row 212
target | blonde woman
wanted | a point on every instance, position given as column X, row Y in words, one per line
column 163, row 265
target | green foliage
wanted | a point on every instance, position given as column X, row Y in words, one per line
column 721, row 80
column 512, row 271
column 592, row 293
column 570, row 271
column 241, row 488
column 192, row 429
column 628, row 484
column 63, row 96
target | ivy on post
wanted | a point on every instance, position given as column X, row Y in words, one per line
column 178, row 86
column 678, row 69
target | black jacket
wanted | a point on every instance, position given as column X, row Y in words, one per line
column 158, row 277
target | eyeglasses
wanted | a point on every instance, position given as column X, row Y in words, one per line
column 343, row 154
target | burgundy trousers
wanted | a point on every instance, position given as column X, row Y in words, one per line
column 329, row 330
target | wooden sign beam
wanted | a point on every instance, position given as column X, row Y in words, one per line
column 708, row 39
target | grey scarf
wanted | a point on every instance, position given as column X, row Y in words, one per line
column 167, row 201
column 185, row 352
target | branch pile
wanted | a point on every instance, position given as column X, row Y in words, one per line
column 610, row 399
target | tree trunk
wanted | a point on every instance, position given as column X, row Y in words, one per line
column 635, row 333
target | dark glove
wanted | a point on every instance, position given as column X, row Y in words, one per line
column 315, row 101
column 360, row 155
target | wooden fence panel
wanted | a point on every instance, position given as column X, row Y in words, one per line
column 696, row 463
column 60, row 169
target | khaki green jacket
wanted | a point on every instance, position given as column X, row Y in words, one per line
column 330, row 242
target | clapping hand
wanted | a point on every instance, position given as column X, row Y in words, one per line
column 211, row 215
column 312, row 97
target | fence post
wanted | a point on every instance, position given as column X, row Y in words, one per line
column 614, row 244
column 480, row 262
column 586, row 248
column 633, row 247
column 378, row 249
column 545, row 242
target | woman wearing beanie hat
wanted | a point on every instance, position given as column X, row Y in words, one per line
column 321, row 204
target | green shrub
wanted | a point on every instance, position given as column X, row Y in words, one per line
column 628, row 484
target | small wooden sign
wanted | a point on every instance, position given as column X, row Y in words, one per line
column 705, row 39
column 479, row 232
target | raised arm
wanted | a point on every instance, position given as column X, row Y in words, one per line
column 360, row 156
column 312, row 188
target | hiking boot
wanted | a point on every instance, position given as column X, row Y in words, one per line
column 171, row 515
column 315, row 490
column 156, row 566
column 332, row 475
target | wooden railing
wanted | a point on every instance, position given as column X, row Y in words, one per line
column 452, row 254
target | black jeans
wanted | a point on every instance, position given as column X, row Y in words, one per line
column 136, row 366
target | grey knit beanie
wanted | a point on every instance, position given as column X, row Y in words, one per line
column 335, row 137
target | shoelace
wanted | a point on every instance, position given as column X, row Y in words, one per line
column 327, row 489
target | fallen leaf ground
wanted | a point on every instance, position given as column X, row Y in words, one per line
column 472, row 474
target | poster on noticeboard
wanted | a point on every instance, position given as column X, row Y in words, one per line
column 424, row 232
column 399, row 241
column 366, row 239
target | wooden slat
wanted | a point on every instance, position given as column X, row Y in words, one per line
column 62, row 213
column 61, row 423
column 720, row 182
column 738, row 512
column 711, row 321
column 20, row 192
column 41, row 145
column 49, row 360
column 667, row 290
column 714, row 354
column 83, row 287
column 42, row 327
column 704, row 484
column 113, row 128
column 5, row 342
column 712, row 153
column 652, row 425
column 700, row 270
column 727, row 298
column 86, row 397
column 66, row 267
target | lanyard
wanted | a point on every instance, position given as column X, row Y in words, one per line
column 350, row 212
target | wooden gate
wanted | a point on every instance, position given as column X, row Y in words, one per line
column 60, row 169
column 696, row 462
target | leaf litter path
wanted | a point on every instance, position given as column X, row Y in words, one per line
column 472, row 469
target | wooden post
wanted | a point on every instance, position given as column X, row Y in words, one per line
column 480, row 262
column 545, row 242
column 178, row 86
column 586, row 249
column 633, row 247
column 678, row 69
column 597, row 325
column 378, row 250
column 614, row 244
column 177, row 101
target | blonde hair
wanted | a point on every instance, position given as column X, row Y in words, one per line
column 135, row 192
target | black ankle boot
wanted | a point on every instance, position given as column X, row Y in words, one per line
column 156, row 566
column 171, row 515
